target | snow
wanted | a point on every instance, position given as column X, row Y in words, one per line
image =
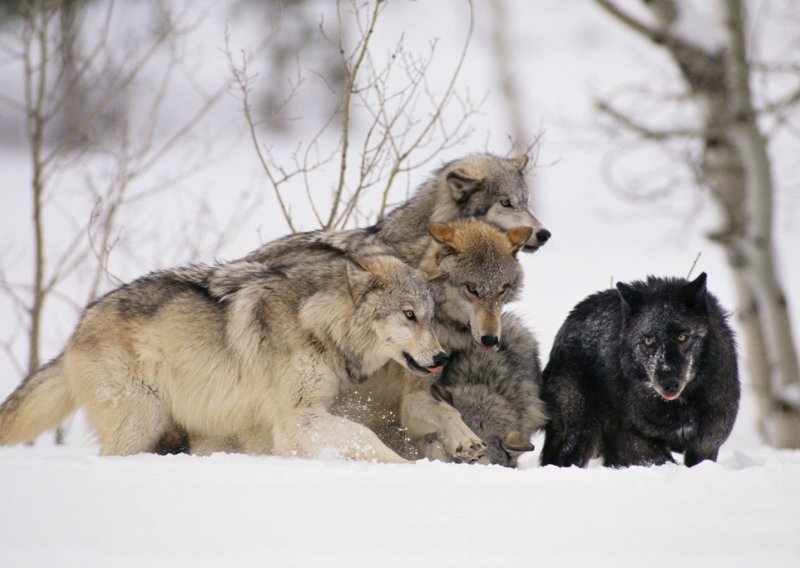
column 65, row 506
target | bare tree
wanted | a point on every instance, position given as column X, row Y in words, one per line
column 82, row 129
column 382, row 129
column 733, row 163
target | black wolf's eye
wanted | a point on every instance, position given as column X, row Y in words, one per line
column 411, row 315
column 471, row 289
column 648, row 342
column 505, row 203
column 682, row 337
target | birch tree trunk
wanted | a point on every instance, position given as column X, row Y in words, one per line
column 736, row 168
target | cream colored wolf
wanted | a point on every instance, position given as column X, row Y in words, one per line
column 243, row 350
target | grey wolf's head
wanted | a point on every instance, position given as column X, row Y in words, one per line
column 491, row 417
column 494, row 189
column 482, row 274
column 665, row 321
column 394, row 303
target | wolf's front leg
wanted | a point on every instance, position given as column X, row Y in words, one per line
column 318, row 433
column 437, row 426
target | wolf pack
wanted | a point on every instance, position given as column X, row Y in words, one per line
column 391, row 343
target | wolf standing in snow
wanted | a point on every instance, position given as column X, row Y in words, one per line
column 485, row 187
column 240, row 350
column 640, row 372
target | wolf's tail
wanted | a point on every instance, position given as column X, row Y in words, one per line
column 40, row 403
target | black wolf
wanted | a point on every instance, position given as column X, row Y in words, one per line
column 640, row 372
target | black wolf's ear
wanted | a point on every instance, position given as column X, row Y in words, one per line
column 695, row 293
column 444, row 234
column 518, row 236
column 519, row 162
column 515, row 442
column 361, row 277
column 462, row 185
column 631, row 297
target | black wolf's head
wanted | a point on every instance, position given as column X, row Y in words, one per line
column 665, row 322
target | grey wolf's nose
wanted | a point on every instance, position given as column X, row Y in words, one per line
column 543, row 235
column 440, row 358
column 489, row 340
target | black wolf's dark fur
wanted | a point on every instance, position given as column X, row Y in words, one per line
column 640, row 372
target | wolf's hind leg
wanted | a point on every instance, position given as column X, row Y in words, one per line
column 572, row 436
column 127, row 418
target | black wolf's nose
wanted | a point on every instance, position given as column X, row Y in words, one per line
column 671, row 386
column 543, row 235
column 489, row 340
column 441, row 358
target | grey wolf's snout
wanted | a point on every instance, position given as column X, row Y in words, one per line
column 543, row 235
column 439, row 361
column 489, row 340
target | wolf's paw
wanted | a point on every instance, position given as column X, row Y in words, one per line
column 462, row 445
column 471, row 454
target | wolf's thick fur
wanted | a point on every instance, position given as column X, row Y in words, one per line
column 240, row 350
column 482, row 275
column 496, row 393
column 640, row 372
column 483, row 186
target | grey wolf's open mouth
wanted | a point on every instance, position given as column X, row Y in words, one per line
column 419, row 369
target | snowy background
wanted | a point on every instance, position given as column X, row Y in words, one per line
column 63, row 506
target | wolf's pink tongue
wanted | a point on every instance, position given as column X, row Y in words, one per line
column 670, row 395
column 486, row 348
column 437, row 369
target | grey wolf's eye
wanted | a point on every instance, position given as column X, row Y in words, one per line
column 505, row 203
column 471, row 289
column 682, row 337
column 410, row 315
column 648, row 342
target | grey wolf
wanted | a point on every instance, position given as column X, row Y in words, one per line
column 496, row 393
column 482, row 275
column 483, row 186
column 241, row 350
column 639, row 372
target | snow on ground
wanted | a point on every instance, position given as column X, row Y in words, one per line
column 67, row 507
column 64, row 506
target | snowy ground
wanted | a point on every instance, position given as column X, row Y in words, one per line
column 67, row 507
column 64, row 506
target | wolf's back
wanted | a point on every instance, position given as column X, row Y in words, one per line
column 39, row 404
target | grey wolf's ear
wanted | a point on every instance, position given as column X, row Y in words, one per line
column 361, row 276
column 695, row 292
column 518, row 236
column 462, row 185
column 444, row 234
column 431, row 275
column 514, row 441
column 519, row 162
column 631, row 297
